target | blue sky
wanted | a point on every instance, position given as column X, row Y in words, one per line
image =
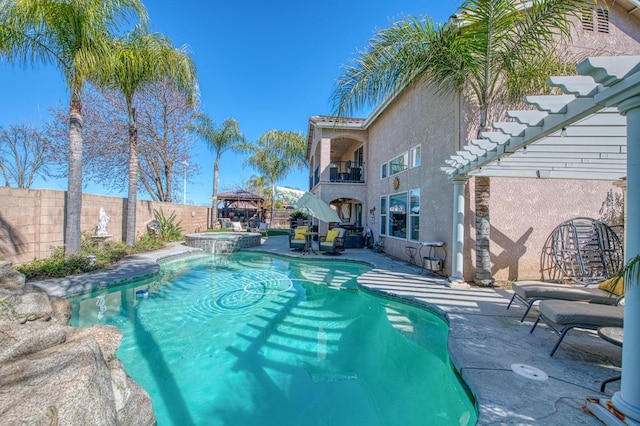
column 268, row 64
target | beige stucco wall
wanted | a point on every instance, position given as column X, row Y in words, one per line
column 621, row 40
column 524, row 212
column 417, row 117
column 32, row 221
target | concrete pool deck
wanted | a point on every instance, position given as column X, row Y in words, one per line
column 485, row 338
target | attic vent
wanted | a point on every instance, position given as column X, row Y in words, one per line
column 603, row 20
column 587, row 19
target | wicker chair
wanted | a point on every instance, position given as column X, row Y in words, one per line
column 297, row 238
column 333, row 242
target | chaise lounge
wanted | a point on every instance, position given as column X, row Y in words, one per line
column 609, row 292
column 564, row 315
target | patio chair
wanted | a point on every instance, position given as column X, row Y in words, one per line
column 297, row 238
column 333, row 242
column 379, row 244
column 564, row 315
column 262, row 228
column 609, row 292
column 237, row 227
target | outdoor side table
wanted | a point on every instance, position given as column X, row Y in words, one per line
column 613, row 335
column 308, row 243
column 435, row 257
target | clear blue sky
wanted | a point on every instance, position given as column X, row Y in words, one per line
column 268, row 64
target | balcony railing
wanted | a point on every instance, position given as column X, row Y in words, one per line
column 346, row 171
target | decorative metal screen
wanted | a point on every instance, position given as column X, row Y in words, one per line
column 582, row 249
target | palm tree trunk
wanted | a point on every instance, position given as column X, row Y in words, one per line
column 214, row 194
column 132, row 194
column 73, row 208
column 273, row 203
column 483, row 275
column 483, row 232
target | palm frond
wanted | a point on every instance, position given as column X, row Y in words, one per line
column 393, row 58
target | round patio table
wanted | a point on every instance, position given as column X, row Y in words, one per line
column 613, row 335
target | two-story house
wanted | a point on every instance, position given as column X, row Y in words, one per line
column 384, row 173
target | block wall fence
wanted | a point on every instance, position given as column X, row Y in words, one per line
column 32, row 221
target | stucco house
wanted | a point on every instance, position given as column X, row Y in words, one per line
column 384, row 172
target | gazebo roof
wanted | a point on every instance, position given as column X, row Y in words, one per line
column 239, row 195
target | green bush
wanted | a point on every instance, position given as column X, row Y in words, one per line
column 56, row 266
column 106, row 253
column 298, row 215
column 170, row 230
column 149, row 241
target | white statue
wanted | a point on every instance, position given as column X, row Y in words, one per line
column 102, row 223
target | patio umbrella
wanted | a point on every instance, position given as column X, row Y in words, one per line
column 317, row 208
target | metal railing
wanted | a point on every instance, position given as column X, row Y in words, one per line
column 346, row 171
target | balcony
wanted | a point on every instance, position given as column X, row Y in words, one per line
column 346, row 172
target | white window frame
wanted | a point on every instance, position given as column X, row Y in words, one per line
column 400, row 166
column 384, row 205
column 390, row 224
column 415, row 156
column 383, row 170
column 414, row 215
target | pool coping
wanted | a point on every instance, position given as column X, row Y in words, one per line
column 485, row 339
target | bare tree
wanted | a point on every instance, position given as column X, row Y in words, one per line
column 164, row 119
column 163, row 141
column 23, row 153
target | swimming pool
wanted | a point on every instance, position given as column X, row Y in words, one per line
column 252, row 339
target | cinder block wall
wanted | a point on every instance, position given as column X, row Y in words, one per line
column 32, row 221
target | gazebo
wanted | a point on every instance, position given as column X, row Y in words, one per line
column 240, row 204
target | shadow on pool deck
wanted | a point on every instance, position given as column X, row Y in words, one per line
column 485, row 338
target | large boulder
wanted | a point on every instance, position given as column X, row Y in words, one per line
column 52, row 373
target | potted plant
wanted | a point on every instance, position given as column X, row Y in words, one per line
column 297, row 215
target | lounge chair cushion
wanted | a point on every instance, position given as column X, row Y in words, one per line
column 539, row 290
column 331, row 235
column 300, row 233
column 613, row 285
column 564, row 312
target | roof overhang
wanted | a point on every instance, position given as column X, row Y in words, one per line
column 579, row 134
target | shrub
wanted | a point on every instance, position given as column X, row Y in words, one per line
column 299, row 215
column 106, row 253
column 170, row 230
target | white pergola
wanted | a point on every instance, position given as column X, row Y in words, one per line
column 590, row 131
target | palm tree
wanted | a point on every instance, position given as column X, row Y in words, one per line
column 73, row 36
column 491, row 49
column 226, row 137
column 138, row 61
column 276, row 154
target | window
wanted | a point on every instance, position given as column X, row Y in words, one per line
column 414, row 214
column 383, row 215
column 414, row 157
column 398, row 215
column 603, row 20
column 399, row 164
column 383, row 170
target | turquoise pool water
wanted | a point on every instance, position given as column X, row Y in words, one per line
column 251, row 339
